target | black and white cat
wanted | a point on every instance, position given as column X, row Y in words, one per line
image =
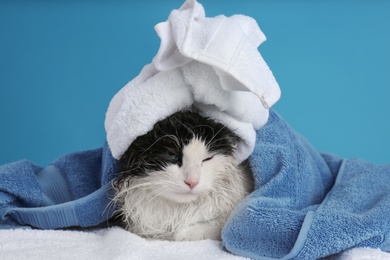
column 181, row 180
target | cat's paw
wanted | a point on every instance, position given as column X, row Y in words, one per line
column 199, row 232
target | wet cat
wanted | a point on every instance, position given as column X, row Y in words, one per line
column 181, row 180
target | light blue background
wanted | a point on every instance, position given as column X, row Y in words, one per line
column 62, row 61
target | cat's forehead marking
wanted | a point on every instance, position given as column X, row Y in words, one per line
column 196, row 148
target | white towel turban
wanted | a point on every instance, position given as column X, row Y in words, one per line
column 211, row 64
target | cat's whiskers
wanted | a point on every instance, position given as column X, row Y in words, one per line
column 155, row 194
column 187, row 127
column 125, row 191
column 155, row 142
column 211, row 141
column 205, row 126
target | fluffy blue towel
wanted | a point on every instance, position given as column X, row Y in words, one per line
column 308, row 205
column 74, row 190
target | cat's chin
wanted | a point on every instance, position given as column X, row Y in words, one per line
column 181, row 197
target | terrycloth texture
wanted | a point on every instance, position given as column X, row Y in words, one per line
column 115, row 243
column 362, row 253
column 210, row 64
column 308, row 205
column 105, row 244
column 72, row 191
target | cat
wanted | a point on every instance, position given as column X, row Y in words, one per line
column 181, row 180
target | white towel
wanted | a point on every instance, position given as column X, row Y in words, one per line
column 210, row 64
column 104, row 244
column 116, row 243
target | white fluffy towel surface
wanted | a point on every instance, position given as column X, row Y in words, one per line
column 211, row 65
column 117, row 244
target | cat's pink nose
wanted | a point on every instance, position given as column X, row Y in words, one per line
column 191, row 184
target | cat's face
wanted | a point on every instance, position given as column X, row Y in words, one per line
column 183, row 157
column 196, row 174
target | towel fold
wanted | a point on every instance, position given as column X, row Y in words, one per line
column 308, row 205
column 74, row 190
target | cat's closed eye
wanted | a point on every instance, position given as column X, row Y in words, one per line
column 172, row 156
column 208, row 159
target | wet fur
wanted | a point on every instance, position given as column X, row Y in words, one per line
column 153, row 198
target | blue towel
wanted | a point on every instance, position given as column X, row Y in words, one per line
column 308, row 205
column 74, row 190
